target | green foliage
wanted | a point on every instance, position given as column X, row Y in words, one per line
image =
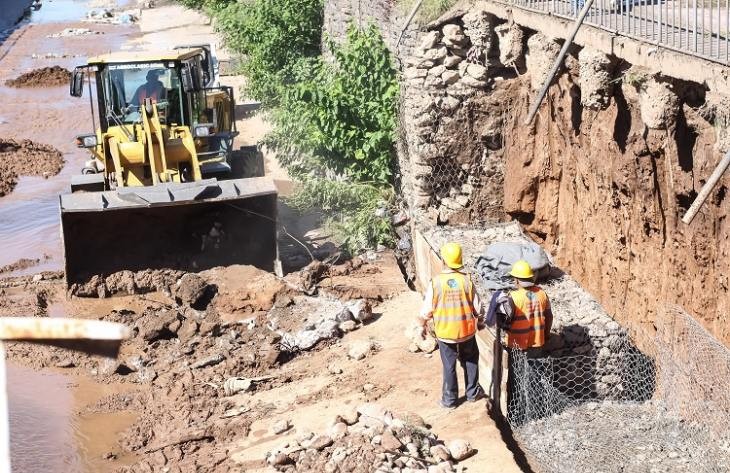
column 333, row 118
column 355, row 213
column 429, row 10
column 213, row 5
column 343, row 116
column 273, row 35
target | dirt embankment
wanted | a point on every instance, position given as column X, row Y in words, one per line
column 606, row 194
column 43, row 77
column 26, row 158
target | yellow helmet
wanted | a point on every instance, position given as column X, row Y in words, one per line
column 522, row 270
column 451, row 254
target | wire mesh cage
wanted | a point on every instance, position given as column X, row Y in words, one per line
column 628, row 413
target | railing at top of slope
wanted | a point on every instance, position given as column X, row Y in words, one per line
column 697, row 27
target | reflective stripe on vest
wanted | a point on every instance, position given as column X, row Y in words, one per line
column 528, row 325
column 453, row 313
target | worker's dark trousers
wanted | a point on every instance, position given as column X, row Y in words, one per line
column 468, row 355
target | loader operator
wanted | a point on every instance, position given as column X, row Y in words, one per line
column 152, row 89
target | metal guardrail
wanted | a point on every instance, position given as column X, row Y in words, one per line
column 697, row 27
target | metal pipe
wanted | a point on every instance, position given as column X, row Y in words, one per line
column 408, row 22
column 707, row 189
column 558, row 62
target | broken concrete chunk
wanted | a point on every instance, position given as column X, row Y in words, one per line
column 361, row 310
column 320, row 442
column 278, row 459
column 440, row 452
column 338, row 431
column 477, row 71
column 427, row 345
column 281, row 426
column 437, row 71
column 460, row 449
column 360, row 349
column 415, row 73
column 348, row 326
column 389, row 441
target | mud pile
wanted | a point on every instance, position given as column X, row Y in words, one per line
column 370, row 438
column 43, row 77
column 22, row 263
column 26, row 158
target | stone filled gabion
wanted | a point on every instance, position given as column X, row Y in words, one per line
column 596, row 75
column 541, row 54
column 438, row 78
column 614, row 437
column 479, row 27
column 511, row 42
column 658, row 104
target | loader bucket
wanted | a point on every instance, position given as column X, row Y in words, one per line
column 190, row 226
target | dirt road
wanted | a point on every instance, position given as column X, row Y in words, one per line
column 164, row 405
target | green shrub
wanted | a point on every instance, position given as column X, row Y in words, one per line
column 342, row 118
column 355, row 213
column 429, row 10
column 273, row 35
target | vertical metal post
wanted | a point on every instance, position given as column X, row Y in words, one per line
column 4, row 415
column 558, row 62
column 727, row 29
column 695, row 26
column 661, row 21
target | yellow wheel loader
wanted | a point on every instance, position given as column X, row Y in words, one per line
column 163, row 187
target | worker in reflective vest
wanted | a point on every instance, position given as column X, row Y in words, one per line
column 455, row 309
column 526, row 315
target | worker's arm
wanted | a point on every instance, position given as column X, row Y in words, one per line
column 548, row 320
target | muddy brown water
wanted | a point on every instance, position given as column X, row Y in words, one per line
column 47, row 435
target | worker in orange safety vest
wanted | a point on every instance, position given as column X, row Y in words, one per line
column 526, row 314
column 456, row 311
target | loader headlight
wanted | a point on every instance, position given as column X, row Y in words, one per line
column 202, row 129
column 86, row 141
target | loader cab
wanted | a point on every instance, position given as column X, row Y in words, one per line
column 188, row 107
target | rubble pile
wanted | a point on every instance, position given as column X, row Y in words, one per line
column 43, row 77
column 26, row 158
column 371, row 438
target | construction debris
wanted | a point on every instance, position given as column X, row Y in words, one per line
column 374, row 439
